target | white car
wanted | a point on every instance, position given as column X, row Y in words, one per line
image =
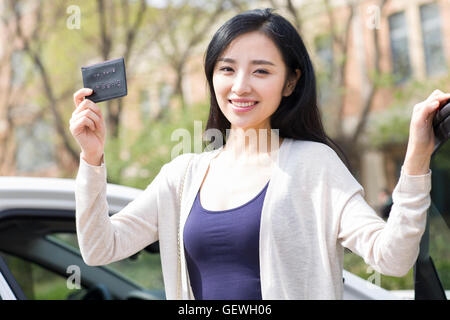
column 39, row 254
column 38, row 234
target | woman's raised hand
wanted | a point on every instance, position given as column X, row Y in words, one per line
column 421, row 135
column 88, row 127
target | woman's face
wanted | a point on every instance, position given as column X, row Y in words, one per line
column 249, row 81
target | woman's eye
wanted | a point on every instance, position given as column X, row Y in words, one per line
column 226, row 69
column 262, row 71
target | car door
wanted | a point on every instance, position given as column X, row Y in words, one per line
column 39, row 247
column 432, row 269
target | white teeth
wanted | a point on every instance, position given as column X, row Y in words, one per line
column 243, row 104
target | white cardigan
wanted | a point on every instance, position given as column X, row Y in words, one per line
column 313, row 208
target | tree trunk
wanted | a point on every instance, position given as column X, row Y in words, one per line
column 179, row 85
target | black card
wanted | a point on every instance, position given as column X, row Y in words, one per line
column 107, row 79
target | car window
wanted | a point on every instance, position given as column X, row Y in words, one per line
column 439, row 217
column 143, row 269
column 35, row 281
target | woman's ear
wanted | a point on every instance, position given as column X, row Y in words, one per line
column 291, row 83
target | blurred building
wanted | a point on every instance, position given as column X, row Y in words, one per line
column 412, row 48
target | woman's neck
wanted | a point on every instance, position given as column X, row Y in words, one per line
column 252, row 145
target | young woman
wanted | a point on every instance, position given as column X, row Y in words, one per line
column 246, row 222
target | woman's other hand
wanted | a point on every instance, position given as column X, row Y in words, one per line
column 88, row 127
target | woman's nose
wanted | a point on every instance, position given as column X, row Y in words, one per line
column 241, row 85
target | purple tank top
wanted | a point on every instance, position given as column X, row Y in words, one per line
column 222, row 251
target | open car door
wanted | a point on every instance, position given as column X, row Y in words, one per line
column 432, row 268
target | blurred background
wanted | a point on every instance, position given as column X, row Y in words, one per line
column 374, row 60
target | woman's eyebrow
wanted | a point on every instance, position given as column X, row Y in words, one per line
column 229, row 60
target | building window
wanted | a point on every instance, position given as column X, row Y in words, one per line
column 432, row 39
column 398, row 34
column 35, row 150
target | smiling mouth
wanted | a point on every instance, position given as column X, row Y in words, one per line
column 243, row 104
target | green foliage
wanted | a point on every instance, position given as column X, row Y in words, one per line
column 391, row 126
column 356, row 265
column 136, row 163
column 382, row 80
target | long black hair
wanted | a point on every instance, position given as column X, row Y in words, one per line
column 298, row 115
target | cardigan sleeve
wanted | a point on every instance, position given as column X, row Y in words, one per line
column 104, row 239
column 391, row 247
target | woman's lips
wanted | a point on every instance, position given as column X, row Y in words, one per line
column 242, row 105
